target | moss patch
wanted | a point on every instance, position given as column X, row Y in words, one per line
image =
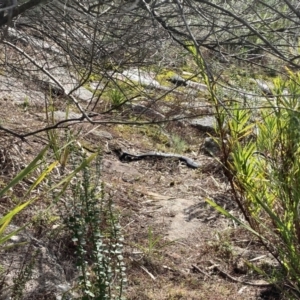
column 163, row 77
column 147, row 135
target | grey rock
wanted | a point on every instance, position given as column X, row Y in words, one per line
column 146, row 111
column 100, row 134
column 260, row 256
column 266, row 87
column 15, row 90
column 64, row 81
column 61, row 74
column 196, row 85
column 34, row 42
column 95, row 85
column 241, row 94
column 83, row 94
column 187, row 73
column 145, row 79
column 62, row 115
column 64, row 291
column 241, row 266
column 205, row 124
column 48, row 272
column 126, row 171
column 142, row 77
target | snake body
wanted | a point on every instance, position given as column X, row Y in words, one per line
column 127, row 157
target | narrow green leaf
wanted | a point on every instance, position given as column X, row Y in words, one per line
column 272, row 215
column 4, row 221
column 230, row 216
column 68, row 178
column 7, row 237
column 24, row 172
column 42, row 176
column 14, row 211
column 4, row 225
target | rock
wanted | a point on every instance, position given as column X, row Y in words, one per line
column 48, row 271
column 240, row 266
column 146, row 111
column 96, row 85
column 126, row 171
column 83, row 94
column 63, row 77
column 61, row 74
column 187, row 73
column 257, row 257
column 196, row 85
column 100, row 134
column 265, row 86
column 205, row 124
column 34, row 42
column 60, row 115
column 142, row 77
column 240, row 94
column 145, row 79
column 17, row 91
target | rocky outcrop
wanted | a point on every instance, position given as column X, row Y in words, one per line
column 205, row 124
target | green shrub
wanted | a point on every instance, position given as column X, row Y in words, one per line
column 262, row 162
column 261, row 159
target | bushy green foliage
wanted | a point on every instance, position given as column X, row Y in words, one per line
column 261, row 159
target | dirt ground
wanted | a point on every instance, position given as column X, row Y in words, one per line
column 199, row 254
column 176, row 245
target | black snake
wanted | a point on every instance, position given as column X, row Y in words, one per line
column 127, row 157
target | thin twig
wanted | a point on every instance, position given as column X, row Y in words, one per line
column 200, row 271
column 224, row 274
column 151, row 275
column 52, row 77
